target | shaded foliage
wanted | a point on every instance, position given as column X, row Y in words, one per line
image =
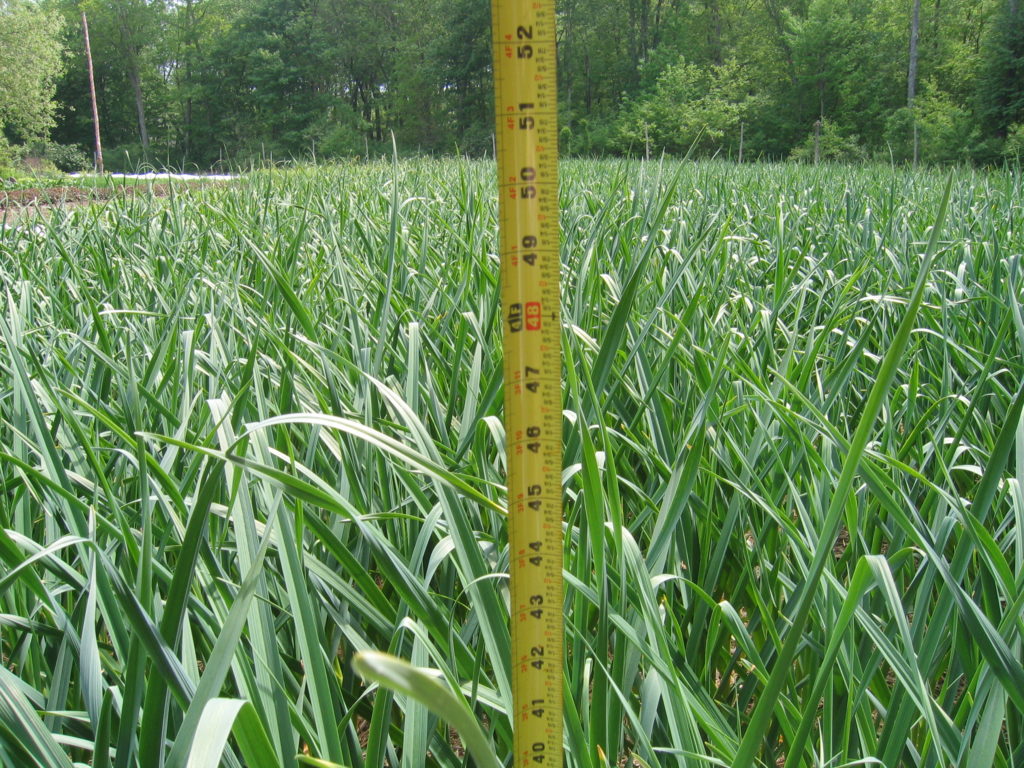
column 238, row 81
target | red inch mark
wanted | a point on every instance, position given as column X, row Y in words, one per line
column 533, row 315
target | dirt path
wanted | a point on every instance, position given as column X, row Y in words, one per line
column 15, row 203
column 56, row 196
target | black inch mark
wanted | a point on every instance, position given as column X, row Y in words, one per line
column 538, row 710
column 536, row 547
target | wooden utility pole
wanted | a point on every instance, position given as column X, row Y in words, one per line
column 92, row 94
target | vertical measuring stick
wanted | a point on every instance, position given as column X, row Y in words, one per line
column 526, row 124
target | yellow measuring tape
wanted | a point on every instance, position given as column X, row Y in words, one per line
column 526, row 123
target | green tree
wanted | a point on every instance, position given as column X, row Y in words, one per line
column 463, row 51
column 189, row 29
column 690, row 106
column 239, row 79
column 826, row 143
column 1001, row 85
column 132, row 61
column 605, row 49
column 419, row 102
column 128, row 38
column 30, row 63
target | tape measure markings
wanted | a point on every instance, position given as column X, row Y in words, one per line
column 523, row 46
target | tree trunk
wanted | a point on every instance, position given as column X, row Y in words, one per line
column 779, row 22
column 565, row 65
column 92, row 96
column 140, row 108
column 588, row 93
column 656, row 36
column 131, row 51
column 187, row 119
column 714, row 31
column 638, row 25
column 915, row 27
column 191, row 46
column 821, row 93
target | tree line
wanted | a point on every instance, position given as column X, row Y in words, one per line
column 204, row 83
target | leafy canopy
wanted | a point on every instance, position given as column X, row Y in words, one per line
column 30, row 63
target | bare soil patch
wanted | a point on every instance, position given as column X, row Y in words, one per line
column 58, row 196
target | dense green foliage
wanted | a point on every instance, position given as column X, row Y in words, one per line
column 249, row 431
column 30, row 63
column 233, row 82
